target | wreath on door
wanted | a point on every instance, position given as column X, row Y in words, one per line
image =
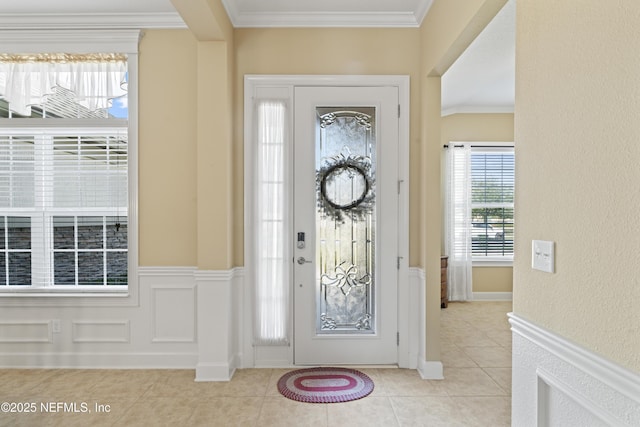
column 354, row 171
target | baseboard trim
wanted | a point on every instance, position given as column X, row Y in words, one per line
column 213, row 372
column 430, row 370
column 98, row 360
column 493, row 296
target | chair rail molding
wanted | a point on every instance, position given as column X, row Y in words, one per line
column 556, row 382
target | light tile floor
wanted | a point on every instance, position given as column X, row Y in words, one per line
column 476, row 353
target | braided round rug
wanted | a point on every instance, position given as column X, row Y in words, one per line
column 325, row 385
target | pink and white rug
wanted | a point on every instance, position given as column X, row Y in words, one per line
column 325, row 385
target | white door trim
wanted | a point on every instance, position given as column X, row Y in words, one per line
column 407, row 316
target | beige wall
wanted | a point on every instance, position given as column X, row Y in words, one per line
column 577, row 135
column 477, row 127
column 489, row 128
column 167, row 149
column 492, row 279
column 329, row 51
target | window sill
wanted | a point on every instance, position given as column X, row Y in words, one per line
column 63, row 291
column 69, row 297
column 493, row 263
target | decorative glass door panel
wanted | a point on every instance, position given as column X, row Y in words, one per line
column 345, row 219
column 345, row 181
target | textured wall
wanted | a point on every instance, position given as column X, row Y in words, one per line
column 577, row 136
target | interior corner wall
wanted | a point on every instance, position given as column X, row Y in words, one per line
column 214, row 157
column 431, row 212
column 168, row 148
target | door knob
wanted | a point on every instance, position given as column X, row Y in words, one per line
column 303, row 260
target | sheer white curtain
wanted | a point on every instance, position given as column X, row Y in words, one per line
column 271, row 219
column 94, row 79
column 458, row 221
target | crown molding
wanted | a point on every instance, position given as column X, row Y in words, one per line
column 29, row 21
column 362, row 19
column 422, row 10
column 70, row 41
column 325, row 20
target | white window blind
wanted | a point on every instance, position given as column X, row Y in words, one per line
column 272, row 234
column 63, row 208
column 492, row 197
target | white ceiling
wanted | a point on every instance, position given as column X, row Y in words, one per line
column 482, row 80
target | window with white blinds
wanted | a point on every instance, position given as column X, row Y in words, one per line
column 64, row 195
column 492, row 197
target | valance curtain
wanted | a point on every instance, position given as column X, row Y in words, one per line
column 458, row 222
column 94, row 79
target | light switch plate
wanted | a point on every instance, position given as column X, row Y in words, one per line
column 543, row 256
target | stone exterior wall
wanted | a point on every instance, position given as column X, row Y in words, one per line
column 15, row 250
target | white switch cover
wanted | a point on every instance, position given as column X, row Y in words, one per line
column 543, row 256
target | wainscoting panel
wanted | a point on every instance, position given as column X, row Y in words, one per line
column 173, row 313
column 100, row 331
column 37, row 331
column 557, row 383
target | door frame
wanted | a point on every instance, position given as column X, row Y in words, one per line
column 409, row 310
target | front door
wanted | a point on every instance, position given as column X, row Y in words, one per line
column 345, row 225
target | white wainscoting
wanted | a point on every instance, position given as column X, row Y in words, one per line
column 557, row 383
column 218, row 311
column 185, row 319
column 428, row 369
column 411, row 305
